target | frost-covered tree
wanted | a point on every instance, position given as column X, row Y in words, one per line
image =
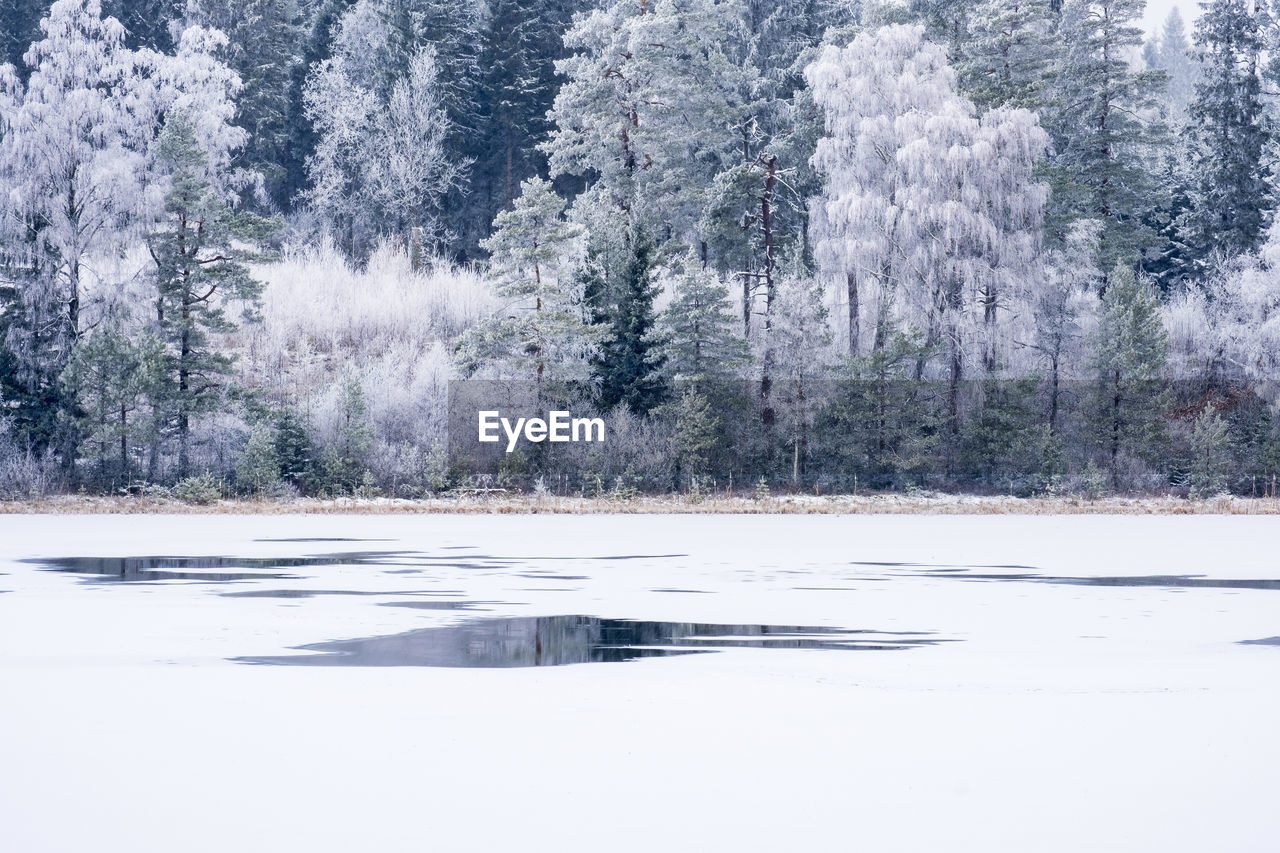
column 1228, row 135
column 1173, row 54
column 539, row 333
column 381, row 166
column 801, row 345
column 651, row 92
column 1071, row 276
column 72, row 150
column 930, row 215
column 377, row 43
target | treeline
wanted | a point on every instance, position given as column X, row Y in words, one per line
column 940, row 243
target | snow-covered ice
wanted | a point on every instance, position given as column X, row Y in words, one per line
column 1068, row 708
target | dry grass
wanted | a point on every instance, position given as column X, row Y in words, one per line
column 675, row 504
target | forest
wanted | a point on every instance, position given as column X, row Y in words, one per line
column 273, row 247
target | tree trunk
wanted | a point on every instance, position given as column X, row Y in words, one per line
column 124, row 445
column 767, row 414
column 851, row 285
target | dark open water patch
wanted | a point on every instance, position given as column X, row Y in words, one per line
column 437, row 605
column 324, row 539
column 1265, row 641
column 1170, row 581
column 211, row 569
column 560, row 640
column 937, row 567
column 310, row 593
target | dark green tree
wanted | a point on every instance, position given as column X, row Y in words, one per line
column 1227, row 136
column 263, row 37
column 19, row 27
column 118, row 384
column 1129, row 350
column 1103, row 119
column 629, row 365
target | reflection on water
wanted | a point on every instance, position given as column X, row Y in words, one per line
column 558, row 640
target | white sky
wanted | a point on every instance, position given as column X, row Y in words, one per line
column 1158, row 10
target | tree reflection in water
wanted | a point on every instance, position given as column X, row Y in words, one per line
column 558, row 640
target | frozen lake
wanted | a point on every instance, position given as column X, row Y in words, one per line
column 489, row 683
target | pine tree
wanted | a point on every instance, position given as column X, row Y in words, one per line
column 1129, row 349
column 1228, row 135
column 347, row 460
column 644, row 115
column 198, row 272
column 1210, row 454
column 299, row 463
column 539, row 334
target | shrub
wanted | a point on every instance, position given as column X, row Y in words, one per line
column 201, row 489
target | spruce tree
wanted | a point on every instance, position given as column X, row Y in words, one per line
column 1176, row 58
column 1008, row 56
column 1129, row 350
column 630, row 361
column 700, row 345
column 1227, row 137
column 1102, row 118
column 262, row 39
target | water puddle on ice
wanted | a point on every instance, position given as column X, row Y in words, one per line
column 559, row 640
column 209, row 569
